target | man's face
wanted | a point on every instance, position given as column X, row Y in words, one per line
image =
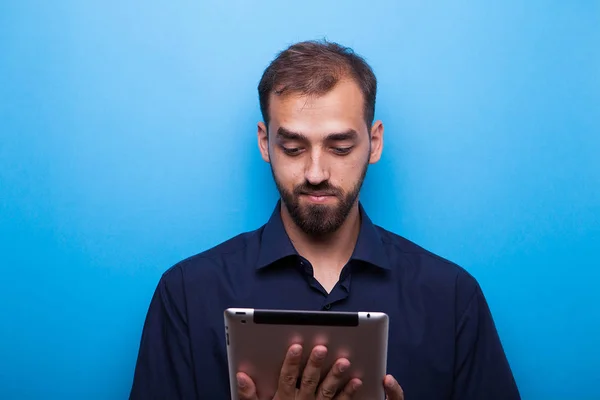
column 319, row 150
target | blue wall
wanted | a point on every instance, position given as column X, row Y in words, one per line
column 127, row 142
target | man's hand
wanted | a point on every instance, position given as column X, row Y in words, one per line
column 311, row 387
column 393, row 390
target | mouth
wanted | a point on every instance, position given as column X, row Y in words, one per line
column 319, row 197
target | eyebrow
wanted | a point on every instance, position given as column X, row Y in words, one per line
column 350, row 134
column 284, row 133
column 287, row 134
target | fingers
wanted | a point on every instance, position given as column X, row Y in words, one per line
column 349, row 390
column 392, row 388
column 311, row 384
column 246, row 387
column 333, row 381
column 290, row 372
column 311, row 377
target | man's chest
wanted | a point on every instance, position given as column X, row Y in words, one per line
column 420, row 347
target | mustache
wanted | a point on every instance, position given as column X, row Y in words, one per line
column 322, row 189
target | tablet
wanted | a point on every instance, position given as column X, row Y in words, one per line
column 258, row 339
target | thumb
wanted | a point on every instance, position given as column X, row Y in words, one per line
column 246, row 388
column 393, row 389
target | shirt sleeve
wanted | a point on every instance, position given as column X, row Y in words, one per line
column 164, row 365
column 481, row 368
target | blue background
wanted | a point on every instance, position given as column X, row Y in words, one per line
column 128, row 142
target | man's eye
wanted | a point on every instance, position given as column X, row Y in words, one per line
column 291, row 151
column 342, row 150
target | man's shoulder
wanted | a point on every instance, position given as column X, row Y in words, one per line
column 215, row 258
column 417, row 262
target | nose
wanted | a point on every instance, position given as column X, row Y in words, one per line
column 316, row 171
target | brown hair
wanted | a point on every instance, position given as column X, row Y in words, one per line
column 313, row 68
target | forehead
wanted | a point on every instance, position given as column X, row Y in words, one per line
column 338, row 110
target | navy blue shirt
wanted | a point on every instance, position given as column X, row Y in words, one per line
column 442, row 340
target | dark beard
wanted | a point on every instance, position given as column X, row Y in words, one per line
column 320, row 219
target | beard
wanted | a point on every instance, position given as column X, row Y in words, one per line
column 319, row 219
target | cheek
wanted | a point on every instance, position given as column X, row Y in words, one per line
column 347, row 172
column 287, row 173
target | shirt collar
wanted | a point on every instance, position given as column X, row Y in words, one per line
column 275, row 244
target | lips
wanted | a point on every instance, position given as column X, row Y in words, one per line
column 318, row 194
column 319, row 197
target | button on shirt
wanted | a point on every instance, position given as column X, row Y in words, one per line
column 442, row 340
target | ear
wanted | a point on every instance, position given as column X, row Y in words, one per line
column 263, row 142
column 376, row 142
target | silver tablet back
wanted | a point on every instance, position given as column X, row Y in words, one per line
column 257, row 341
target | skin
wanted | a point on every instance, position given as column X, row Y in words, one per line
column 319, row 149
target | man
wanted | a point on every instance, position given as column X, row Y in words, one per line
column 320, row 251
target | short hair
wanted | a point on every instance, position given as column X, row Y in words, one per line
column 313, row 68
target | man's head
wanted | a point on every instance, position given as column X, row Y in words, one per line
column 318, row 103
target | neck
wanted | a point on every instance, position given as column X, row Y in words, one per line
column 328, row 252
